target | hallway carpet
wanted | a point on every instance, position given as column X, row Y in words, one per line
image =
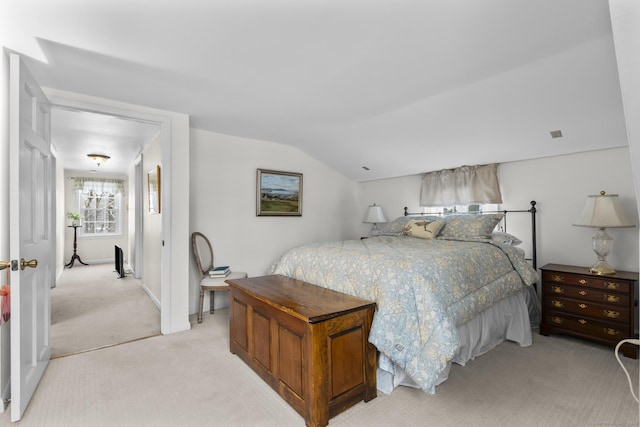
column 92, row 308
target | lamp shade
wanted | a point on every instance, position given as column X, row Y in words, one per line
column 374, row 215
column 603, row 211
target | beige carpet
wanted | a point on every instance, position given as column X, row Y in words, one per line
column 92, row 308
column 191, row 379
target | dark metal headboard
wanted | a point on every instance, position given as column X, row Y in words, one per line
column 532, row 211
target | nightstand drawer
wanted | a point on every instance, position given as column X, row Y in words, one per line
column 588, row 327
column 605, row 283
column 554, row 290
column 586, row 308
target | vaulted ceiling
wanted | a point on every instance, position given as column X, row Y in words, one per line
column 399, row 86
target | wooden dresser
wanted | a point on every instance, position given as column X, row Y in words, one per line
column 310, row 344
column 598, row 308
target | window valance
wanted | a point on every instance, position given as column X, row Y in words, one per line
column 461, row 186
column 99, row 185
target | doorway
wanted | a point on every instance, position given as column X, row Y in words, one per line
column 90, row 304
column 173, row 234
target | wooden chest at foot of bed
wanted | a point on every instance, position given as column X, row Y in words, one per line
column 307, row 342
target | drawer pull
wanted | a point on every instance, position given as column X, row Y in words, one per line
column 612, row 314
column 557, row 289
column 611, row 331
column 557, row 278
column 557, row 304
column 612, row 298
column 582, row 321
column 582, row 305
column 582, row 292
column 612, row 285
column 582, row 282
column 558, row 320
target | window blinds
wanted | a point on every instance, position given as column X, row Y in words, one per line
column 461, row 186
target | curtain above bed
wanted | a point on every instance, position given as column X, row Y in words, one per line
column 461, row 186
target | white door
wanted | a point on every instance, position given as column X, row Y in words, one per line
column 32, row 235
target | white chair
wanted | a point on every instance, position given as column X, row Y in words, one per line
column 203, row 254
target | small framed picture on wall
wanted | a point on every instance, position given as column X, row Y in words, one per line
column 153, row 188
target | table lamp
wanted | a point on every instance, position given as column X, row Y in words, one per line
column 603, row 211
column 374, row 216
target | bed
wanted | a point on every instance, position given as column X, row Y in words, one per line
column 447, row 289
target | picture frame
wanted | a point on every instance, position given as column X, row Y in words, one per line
column 278, row 193
column 153, row 190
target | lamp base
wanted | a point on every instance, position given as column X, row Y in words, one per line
column 601, row 268
column 602, row 245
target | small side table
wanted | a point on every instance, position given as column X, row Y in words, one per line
column 75, row 255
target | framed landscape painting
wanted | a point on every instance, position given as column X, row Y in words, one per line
column 279, row 193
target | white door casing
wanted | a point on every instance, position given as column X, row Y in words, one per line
column 32, row 234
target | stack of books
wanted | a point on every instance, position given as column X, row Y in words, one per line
column 219, row 272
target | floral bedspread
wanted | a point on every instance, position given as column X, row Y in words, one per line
column 423, row 290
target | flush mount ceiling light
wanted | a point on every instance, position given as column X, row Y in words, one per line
column 98, row 158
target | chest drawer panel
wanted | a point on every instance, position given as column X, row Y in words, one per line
column 605, row 283
column 586, row 308
column 554, row 290
column 585, row 326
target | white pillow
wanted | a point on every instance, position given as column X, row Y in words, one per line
column 505, row 238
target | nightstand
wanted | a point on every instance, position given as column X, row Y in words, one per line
column 598, row 308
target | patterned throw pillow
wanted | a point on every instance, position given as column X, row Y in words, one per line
column 470, row 226
column 422, row 229
column 396, row 227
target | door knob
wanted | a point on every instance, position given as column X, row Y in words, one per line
column 4, row 264
column 33, row 263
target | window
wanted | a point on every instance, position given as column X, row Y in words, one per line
column 475, row 208
column 99, row 203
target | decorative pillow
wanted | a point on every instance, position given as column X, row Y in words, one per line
column 505, row 238
column 470, row 226
column 423, row 229
column 396, row 227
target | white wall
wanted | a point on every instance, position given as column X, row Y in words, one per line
column 91, row 250
column 130, row 212
column 223, row 204
column 61, row 225
column 625, row 22
column 561, row 197
column 152, row 223
column 560, row 186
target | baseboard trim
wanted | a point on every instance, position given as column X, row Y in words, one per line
column 153, row 298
